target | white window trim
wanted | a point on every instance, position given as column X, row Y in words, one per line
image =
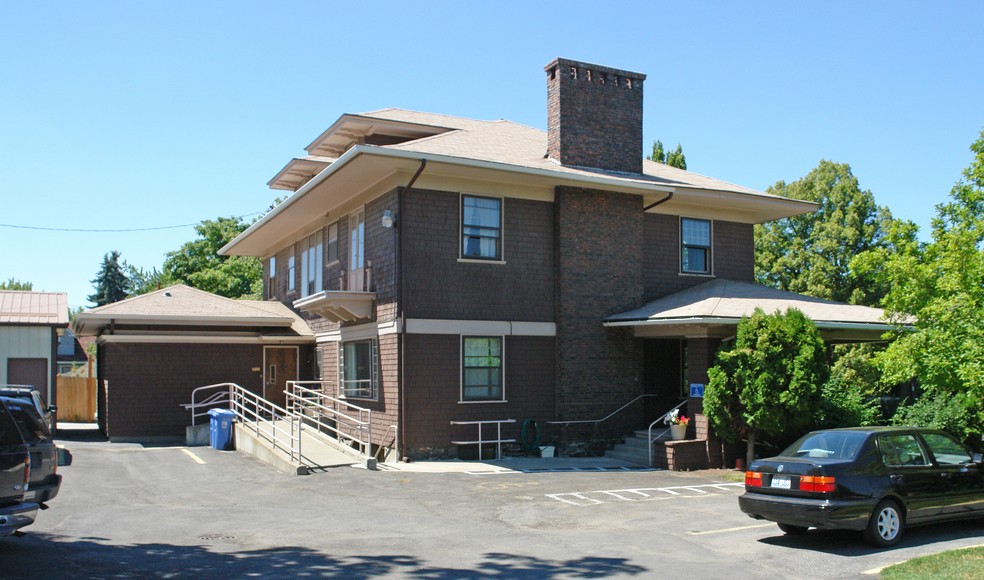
column 461, row 230
column 375, row 379
column 291, row 271
column 312, row 256
column 461, row 369
column 710, row 249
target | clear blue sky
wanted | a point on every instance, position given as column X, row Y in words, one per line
column 118, row 115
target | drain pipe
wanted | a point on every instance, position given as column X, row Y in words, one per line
column 668, row 197
column 402, row 434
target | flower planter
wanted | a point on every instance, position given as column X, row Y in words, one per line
column 678, row 432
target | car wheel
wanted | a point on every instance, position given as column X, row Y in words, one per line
column 793, row 530
column 885, row 526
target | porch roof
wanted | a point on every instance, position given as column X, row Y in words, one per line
column 714, row 309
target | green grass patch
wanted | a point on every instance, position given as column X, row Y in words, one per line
column 958, row 564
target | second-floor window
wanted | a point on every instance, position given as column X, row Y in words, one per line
column 333, row 242
column 481, row 227
column 695, row 246
column 311, row 261
column 291, row 271
column 272, row 280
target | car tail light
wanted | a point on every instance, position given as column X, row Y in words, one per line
column 753, row 479
column 817, row 483
column 27, row 470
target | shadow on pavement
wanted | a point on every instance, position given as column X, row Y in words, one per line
column 44, row 555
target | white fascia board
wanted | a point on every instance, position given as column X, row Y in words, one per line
column 200, row 339
column 169, row 320
column 725, row 321
column 360, row 332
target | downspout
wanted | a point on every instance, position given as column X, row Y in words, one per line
column 668, row 197
column 401, row 455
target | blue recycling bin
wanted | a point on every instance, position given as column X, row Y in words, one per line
column 220, row 429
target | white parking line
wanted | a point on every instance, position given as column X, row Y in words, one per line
column 726, row 530
column 584, row 498
column 197, row 459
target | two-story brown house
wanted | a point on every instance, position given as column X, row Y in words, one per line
column 462, row 270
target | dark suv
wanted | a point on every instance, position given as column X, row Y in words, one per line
column 45, row 480
column 15, row 472
column 29, row 393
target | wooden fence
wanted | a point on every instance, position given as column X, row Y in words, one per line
column 76, row 399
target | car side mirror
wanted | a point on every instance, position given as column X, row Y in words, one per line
column 978, row 458
column 52, row 409
column 64, row 457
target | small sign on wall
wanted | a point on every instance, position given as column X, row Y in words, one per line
column 697, row 390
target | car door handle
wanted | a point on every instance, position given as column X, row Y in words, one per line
column 946, row 475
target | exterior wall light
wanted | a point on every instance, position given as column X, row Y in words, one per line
column 388, row 219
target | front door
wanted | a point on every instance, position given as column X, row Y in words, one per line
column 357, row 249
column 662, row 376
column 280, row 366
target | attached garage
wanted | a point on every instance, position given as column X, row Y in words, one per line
column 155, row 349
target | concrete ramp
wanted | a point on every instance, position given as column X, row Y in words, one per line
column 317, row 454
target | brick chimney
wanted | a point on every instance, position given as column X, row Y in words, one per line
column 594, row 116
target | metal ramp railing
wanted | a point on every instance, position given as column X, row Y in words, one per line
column 310, row 415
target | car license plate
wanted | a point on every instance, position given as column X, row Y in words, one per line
column 30, row 495
column 780, row 481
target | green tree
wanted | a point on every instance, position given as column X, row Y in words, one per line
column 111, row 283
column 198, row 264
column 942, row 285
column 143, row 281
column 13, row 284
column 769, row 381
column 812, row 253
column 674, row 158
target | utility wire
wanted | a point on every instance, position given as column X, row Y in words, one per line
column 86, row 230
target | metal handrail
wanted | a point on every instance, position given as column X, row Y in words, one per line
column 609, row 416
column 649, row 438
column 498, row 437
column 252, row 409
column 396, row 441
column 341, row 414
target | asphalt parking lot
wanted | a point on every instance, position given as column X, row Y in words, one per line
column 131, row 511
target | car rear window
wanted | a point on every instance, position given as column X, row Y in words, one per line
column 32, row 426
column 9, row 434
column 827, row 445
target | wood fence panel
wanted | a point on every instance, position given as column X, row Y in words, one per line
column 76, row 399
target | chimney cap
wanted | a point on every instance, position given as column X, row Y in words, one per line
column 566, row 62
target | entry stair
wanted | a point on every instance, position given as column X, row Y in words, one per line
column 635, row 449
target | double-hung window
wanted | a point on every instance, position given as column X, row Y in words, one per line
column 291, row 271
column 481, row 227
column 358, row 371
column 311, row 265
column 695, row 246
column 481, row 368
column 272, row 277
column 333, row 242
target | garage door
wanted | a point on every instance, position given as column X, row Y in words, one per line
column 29, row 371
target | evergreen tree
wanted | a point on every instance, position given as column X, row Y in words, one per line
column 111, row 283
column 674, row 158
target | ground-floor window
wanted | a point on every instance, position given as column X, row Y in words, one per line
column 358, row 374
column 481, row 368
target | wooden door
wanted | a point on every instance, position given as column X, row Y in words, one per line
column 280, row 366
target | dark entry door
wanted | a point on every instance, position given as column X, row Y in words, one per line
column 662, row 375
column 280, row 367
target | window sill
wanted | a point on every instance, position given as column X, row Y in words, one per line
column 480, row 402
column 696, row 275
column 478, row 261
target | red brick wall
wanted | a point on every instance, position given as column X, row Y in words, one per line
column 149, row 382
column 600, row 272
column 433, row 391
column 439, row 286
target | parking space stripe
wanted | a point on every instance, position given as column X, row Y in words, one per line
column 726, row 530
column 196, row 458
column 584, row 498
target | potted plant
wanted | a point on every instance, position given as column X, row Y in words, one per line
column 678, row 424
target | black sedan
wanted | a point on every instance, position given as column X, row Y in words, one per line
column 877, row 480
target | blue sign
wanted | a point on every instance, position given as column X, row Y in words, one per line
column 697, row 390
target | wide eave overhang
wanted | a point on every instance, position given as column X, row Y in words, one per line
column 726, row 326
column 364, row 168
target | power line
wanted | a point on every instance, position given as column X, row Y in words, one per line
column 121, row 230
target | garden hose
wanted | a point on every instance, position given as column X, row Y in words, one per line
column 524, row 432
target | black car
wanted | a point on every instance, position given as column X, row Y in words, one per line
column 877, row 480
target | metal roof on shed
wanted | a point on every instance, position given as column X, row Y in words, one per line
column 33, row 308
